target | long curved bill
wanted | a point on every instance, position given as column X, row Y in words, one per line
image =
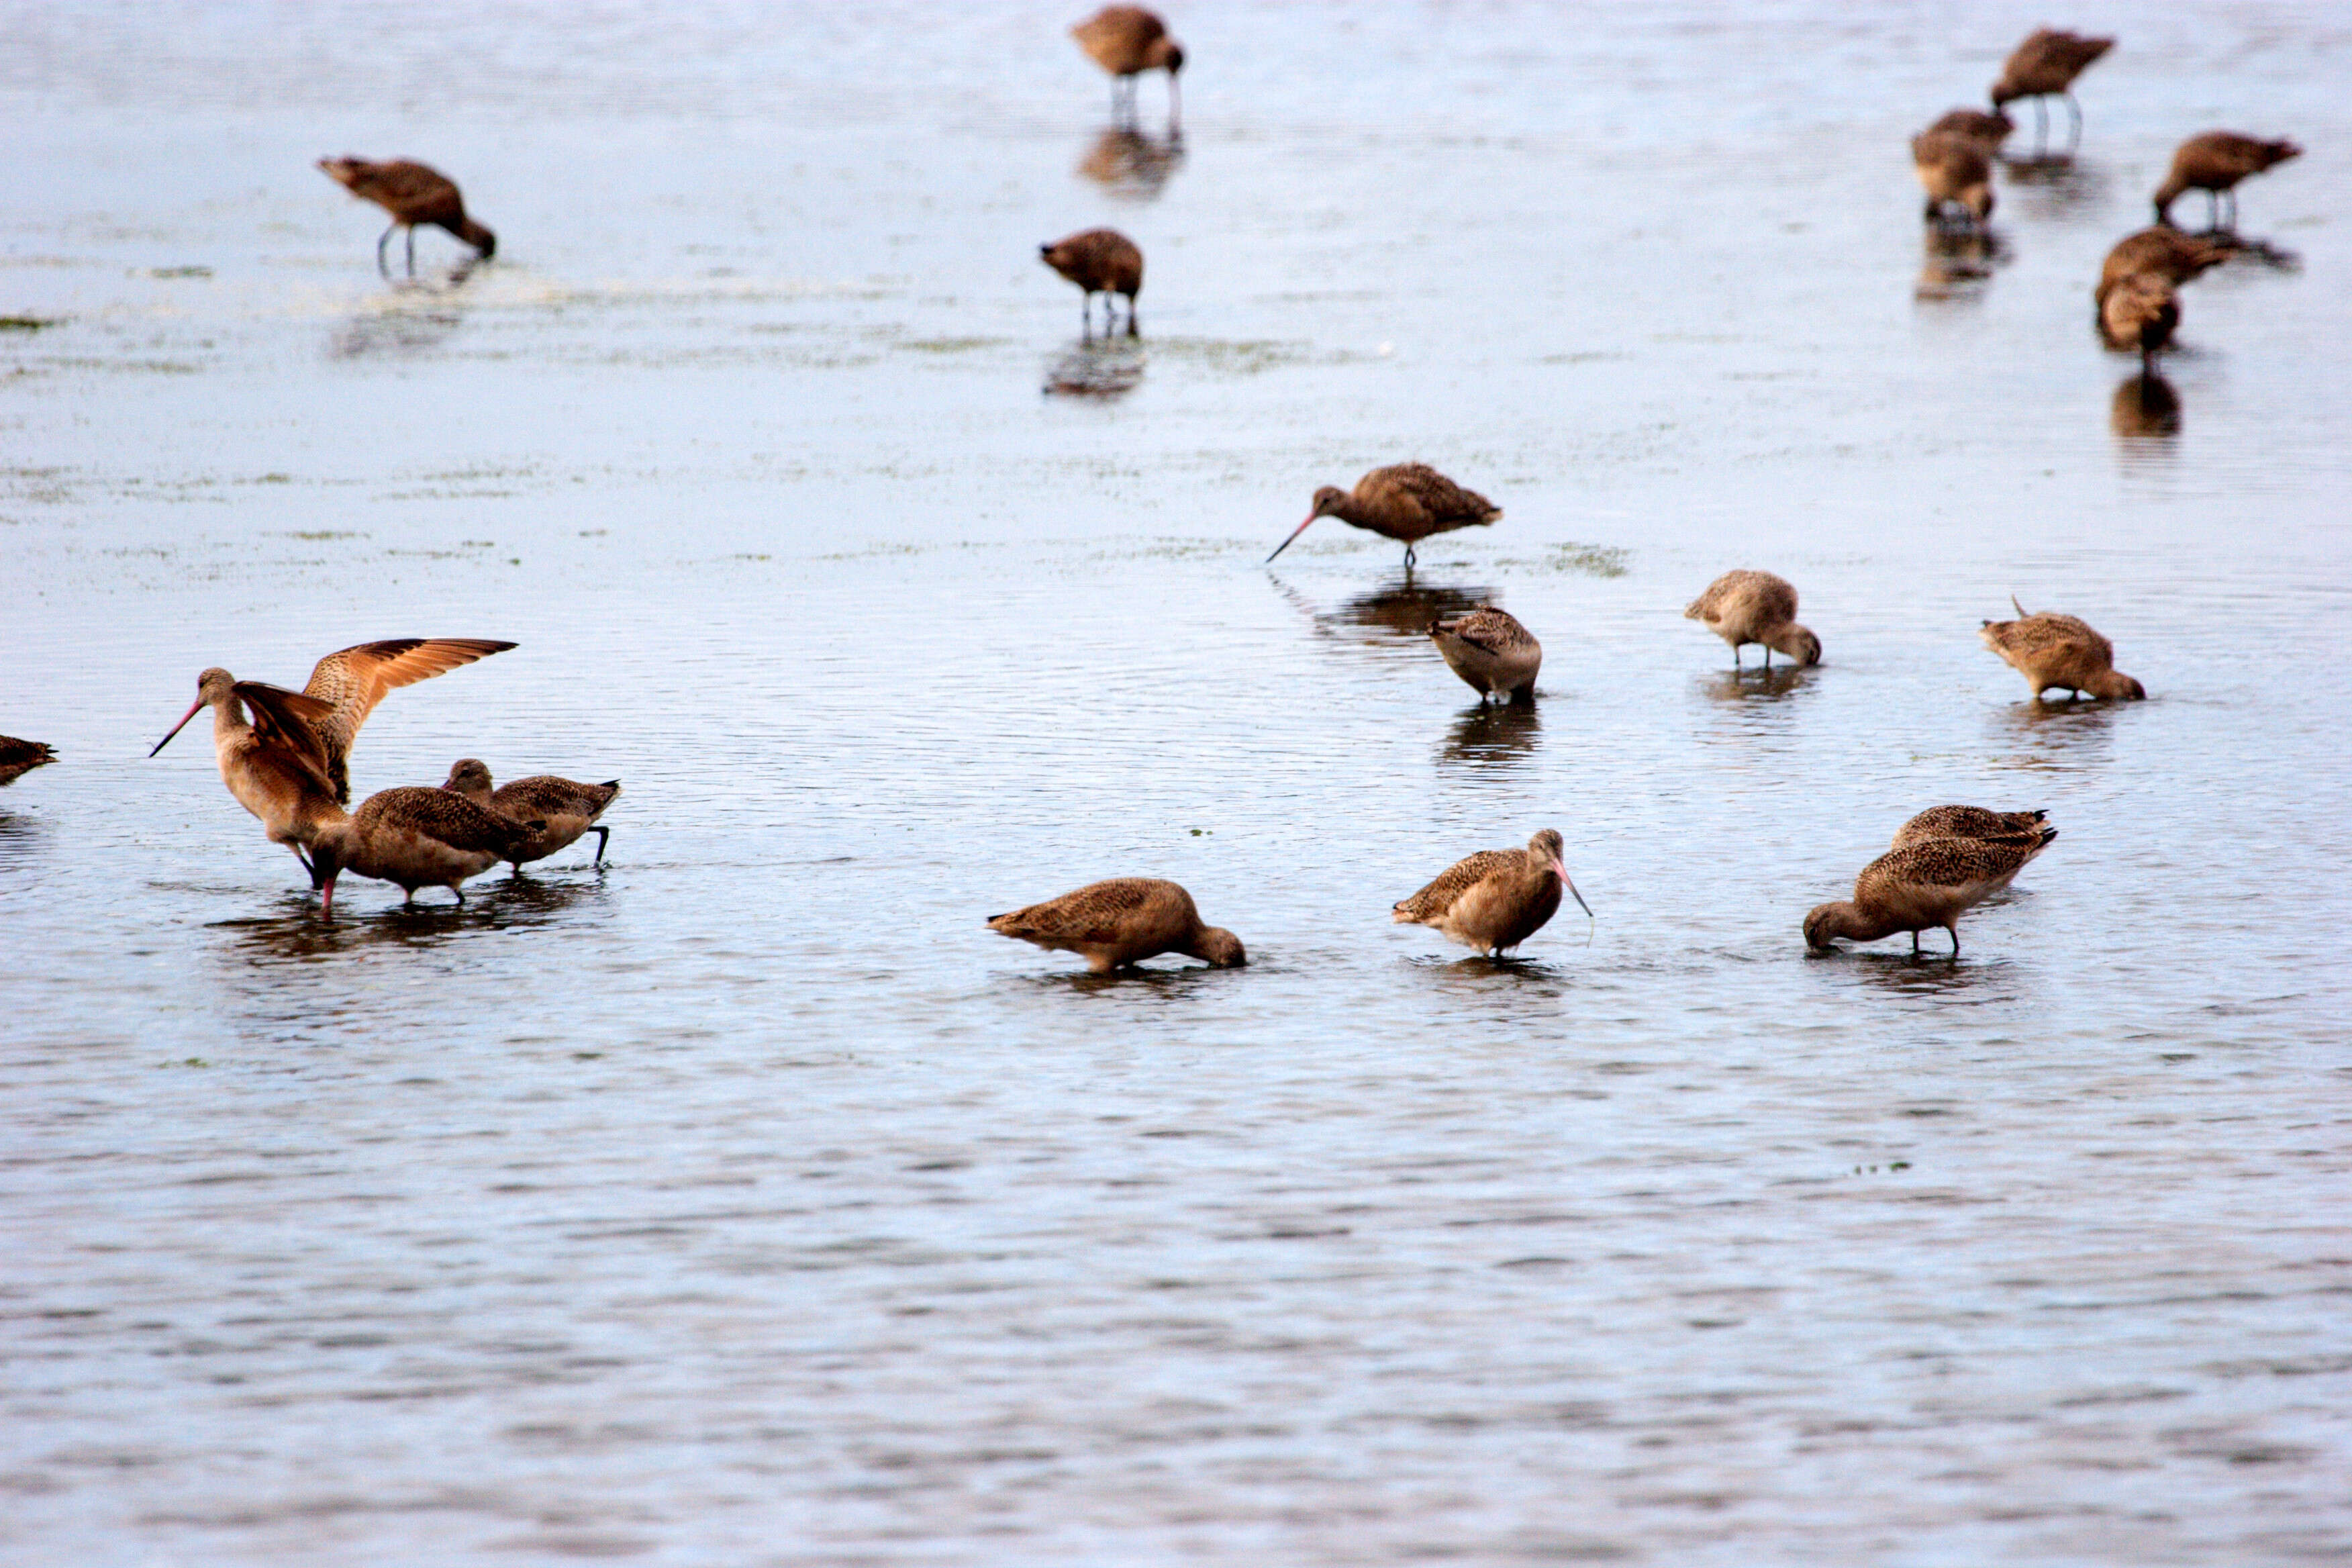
column 1572, row 893
column 193, row 709
column 1269, row 560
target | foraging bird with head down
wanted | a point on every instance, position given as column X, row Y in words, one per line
column 1744, row 606
column 1923, row 885
column 1491, row 651
column 1127, row 41
column 1099, row 261
column 2044, row 67
column 1405, row 501
column 2055, row 650
column 412, row 194
column 1966, row 822
column 1121, row 921
column 2214, row 163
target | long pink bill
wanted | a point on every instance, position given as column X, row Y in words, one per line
column 193, row 709
column 1572, row 893
column 1278, row 549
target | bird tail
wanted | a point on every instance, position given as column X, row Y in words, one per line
column 2023, row 613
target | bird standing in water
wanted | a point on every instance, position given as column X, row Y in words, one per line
column 1744, row 607
column 1496, row 899
column 2214, row 163
column 1931, row 883
column 1407, row 501
column 1127, row 41
column 18, row 758
column 412, row 194
column 566, row 808
column 2045, row 66
column 1966, row 822
column 1956, row 171
column 417, row 838
column 1492, row 651
column 2055, row 650
column 1099, row 261
column 1123, row 921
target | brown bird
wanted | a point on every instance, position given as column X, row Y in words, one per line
column 2044, row 67
column 18, row 758
column 1955, row 169
column 1122, row 921
column 412, row 194
column 1992, row 130
column 1744, row 607
column 567, row 809
column 2140, row 312
column 418, row 838
column 287, row 764
column 1922, row 884
column 1490, row 649
column 1099, row 261
column 1966, row 822
column 2214, row 163
column 1407, row 501
column 1496, row 899
column 2052, row 650
column 1127, row 41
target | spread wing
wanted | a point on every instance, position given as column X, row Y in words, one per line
column 1454, row 881
column 352, row 681
column 287, row 722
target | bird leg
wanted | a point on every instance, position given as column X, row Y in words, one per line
column 1132, row 330
column 1915, row 944
column 2040, row 124
column 382, row 267
column 1410, row 559
column 412, row 251
column 603, row 836
column 2074, row 119
column 1955, row 929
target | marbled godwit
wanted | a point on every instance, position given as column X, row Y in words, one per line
column 1954, row 170
column 1744, row 607
column 2044, row 67
column 1496, row 899
column 2162, row 252
column 2140, row 312
column 1121, row 921
column 412, row 194
column 1922, row 884
column 1127, row 41
column 2214, row 163
column 1406, row 501
column 18, row 758
column 2052, row 650
column 417, row 838
column 1966, row 822
column 1989, row 130
column 1099, row 261
column 288, row 765
column 567, row 808
column 1489, row 649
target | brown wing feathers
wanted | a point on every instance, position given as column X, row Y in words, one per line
column 352, row 681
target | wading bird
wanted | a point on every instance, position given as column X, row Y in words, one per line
column 1496, row 899
column 1744, row 607
column 1127, row 41
column 2045, row 66
column 1492, row 651
column 1407, row 501
column 1966, row 822
column 2054, row 650
column 1099, row 261
column 565, row 808
column 1956, row 171
column 18, row 758
column 1122, row 921
column 1924, row 885
column 2214, row 163
column 412, row 194
column 416, row 838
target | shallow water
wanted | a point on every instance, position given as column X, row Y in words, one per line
column 748, row 1201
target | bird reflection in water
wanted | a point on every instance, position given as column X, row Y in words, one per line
column 1776, row 684
column 1099, row 368
column 1494, row 733
column 415, row 317
column 1927, row 975
column 517, row 902
column 2053, row 185
column 2145, row 411
column 1132, row 165
column 1957, row 262
column 2063, row 735
column 1405, row 608
column 19, row 836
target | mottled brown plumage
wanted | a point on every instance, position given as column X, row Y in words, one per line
column 1127, row 41
column 2044, row 67
column 1099, row 261
column 417, row 838
column 1927, row 884
column 2214, row 163
column 1989, row 130
column 1121, row 921
column 2160, row 252
column 18, row 758
column 2054, row 650
column 567, row 808
column 1496, row 899
column 412, row 194
column 1492, row 651
column 1956, row 171
column 1405, row 501
column 1966, row 822
column 1744, row 607
column 284, row 754
column 2140, row 311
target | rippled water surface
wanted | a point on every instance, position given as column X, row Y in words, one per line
column 747, row 1201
